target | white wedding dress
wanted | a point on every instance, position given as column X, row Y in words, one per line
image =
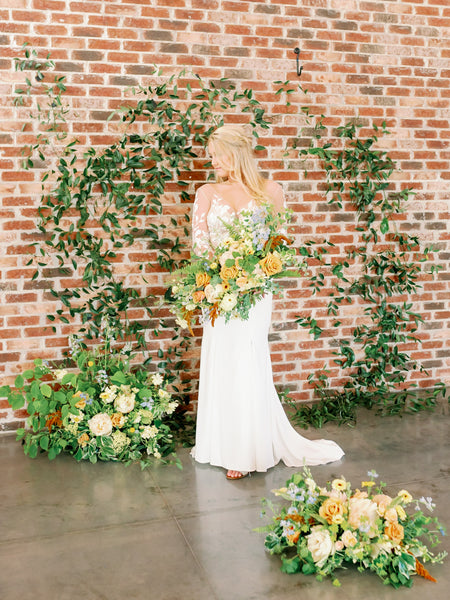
column 241, row 424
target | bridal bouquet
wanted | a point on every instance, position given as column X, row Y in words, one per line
column 103, row 409
column 241, row 270
column 324, row 528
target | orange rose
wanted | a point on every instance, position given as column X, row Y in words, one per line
column 271, row 264
column 228, row 272
column 83, row 440
column 198, row 296
column 202, row 279
column 394, row 531
column 81, row 404
column 331, row 509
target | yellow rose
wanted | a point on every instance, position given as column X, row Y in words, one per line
column 198, row 296
column 394, row 531
column 271, row 264
column 81, row 404
column 405, row 496
column 202, row 279
column 228, row 272
column 330, row 509
column 83, row 440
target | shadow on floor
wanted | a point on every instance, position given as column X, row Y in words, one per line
column 104, row 532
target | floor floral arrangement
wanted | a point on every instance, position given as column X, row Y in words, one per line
column 247, row 265
column 325, row 528
column 103, row 409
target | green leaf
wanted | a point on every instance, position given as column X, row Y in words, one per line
column 119, row 377
column 19, row 381
column 46, row 390
column 384, row 227
column 291, row 565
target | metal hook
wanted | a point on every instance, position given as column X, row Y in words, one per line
column 297, row 52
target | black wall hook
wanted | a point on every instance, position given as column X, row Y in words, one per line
column 299, row 70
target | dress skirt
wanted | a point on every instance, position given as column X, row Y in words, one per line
column 241, row 424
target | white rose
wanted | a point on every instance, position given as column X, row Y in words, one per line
column 124, row 403
column 229, row 301
column 60, row 373
column 157, row 379
column 320, row 545
column 100, row 424
column 218, row 289
column 210, row 293
column 226, row 256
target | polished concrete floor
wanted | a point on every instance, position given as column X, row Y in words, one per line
column 72, row 531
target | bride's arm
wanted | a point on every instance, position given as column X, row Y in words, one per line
column 200, row 233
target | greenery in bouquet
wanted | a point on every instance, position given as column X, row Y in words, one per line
column 237, row 273
column 325, row 528
column 102, row 409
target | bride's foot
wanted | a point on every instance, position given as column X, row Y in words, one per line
column 237, row 474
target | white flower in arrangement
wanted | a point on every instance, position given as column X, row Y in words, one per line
column 228, row 302
column 181, row 323
column 149, row 432
column 320, row 545
column 210, row 293
column 109, row 394
column 191, row 307
column 157, row 379
column 125, row 402
column 218, row 289
column 228, row 255
column 60, row 373
column 72, row 428
column 76, row 418
column 138, row 418
column 163, row 394
column 171, row 407
column 100, row 424
column 119, row 441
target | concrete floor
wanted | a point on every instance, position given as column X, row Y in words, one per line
column 73, row 531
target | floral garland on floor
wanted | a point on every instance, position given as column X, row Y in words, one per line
column 104, row 409
column 238, row 273
column 324, row 528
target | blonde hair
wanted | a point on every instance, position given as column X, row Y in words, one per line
column 233, row 145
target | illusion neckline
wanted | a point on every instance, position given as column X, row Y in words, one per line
column 229, row 207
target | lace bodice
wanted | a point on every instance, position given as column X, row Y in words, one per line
column 210, row 215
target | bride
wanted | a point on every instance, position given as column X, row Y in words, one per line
column 241, row 424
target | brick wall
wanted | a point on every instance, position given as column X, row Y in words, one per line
column 379, row 61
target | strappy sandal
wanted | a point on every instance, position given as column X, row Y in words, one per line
column 241, row 476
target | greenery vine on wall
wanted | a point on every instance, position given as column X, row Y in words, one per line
column 97, row 202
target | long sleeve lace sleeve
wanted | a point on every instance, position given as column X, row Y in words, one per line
column 200, row 234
